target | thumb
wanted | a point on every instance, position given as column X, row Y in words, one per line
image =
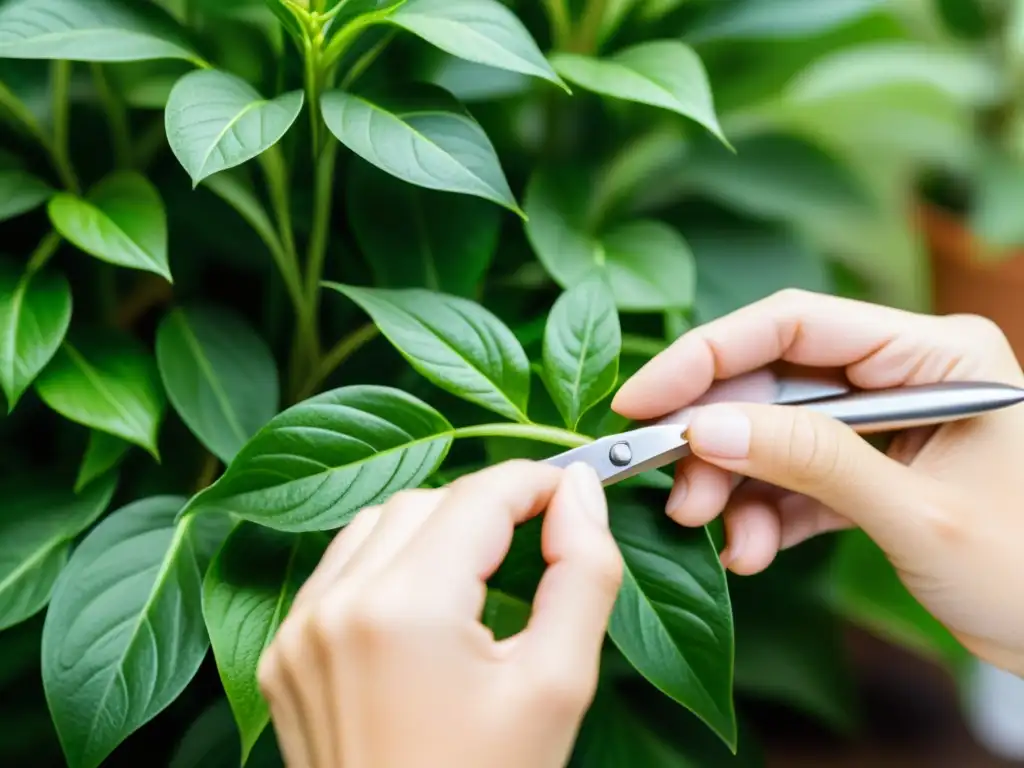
column 807, row 452
column 575, row 597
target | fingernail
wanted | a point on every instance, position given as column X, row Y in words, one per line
column 589, row 492
column 677, row 496
column 720, row 431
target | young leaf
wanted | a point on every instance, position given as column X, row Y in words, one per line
column 110, row 670
column 89, row 30
column 428, row 140
column 648, row 264
column 37, row 526
column 215, row 121
column 107, row 382
column 220, row 376
column 103, row 453
column 582, row 341
column 482, row 31
column 247, row 593
column 453, row 342
column 778, row 19
column 35, row 312
column 21, row 192
column 121, row 221
column 662, row 73
column 673, row 618
column 447, row 243
column 315, row 465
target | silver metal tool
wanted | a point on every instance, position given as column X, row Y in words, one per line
column 618, row 457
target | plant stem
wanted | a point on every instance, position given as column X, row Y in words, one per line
column 589, row 32
column 536, row 432
column 117, row 116
column 337, row 356
column 276, row 173
column 642, row 346
column 312, row 76
column 44, row 252
column 364, row 62
column 61, row 107
column 561, row 24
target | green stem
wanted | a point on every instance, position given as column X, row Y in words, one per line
column 364, row 62
column 276, row 173
column 312, row 77
column 348, row 34
column 337, row 356
column 117, row 115
column 642, row 346
column 589, row 32
column 561, row 24
column 323, row 198
column 536, row 432
column 44, row 252
column 61, row 109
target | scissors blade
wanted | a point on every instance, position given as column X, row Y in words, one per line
column 618, row 457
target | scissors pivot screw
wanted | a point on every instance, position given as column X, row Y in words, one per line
column 620, row 454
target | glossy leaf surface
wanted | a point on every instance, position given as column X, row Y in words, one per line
column 37, row 526
column 662, row 73
column 673, row 618
column 35, row 313
column 247, row 593
column 483, row 31
column 453, row 342
column 102, row 453
column 216, row 121
column 110, row 670
column 220, row 376
column 425, row 139
column 88, row 30
column 315, row 465
column 121, row 221
column 107, row 382
column 21, row 192
column 582, row 341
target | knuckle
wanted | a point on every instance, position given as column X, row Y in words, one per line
column 374, row 617
column 942, row 522
column 605, row 567
column 811, row 454
column 785, row 296
column 980, row 329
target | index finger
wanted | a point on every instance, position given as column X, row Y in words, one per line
column 792, row 326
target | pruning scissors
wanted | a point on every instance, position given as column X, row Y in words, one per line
column 618, row 457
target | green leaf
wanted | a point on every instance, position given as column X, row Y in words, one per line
column 662, row 73
column 247, row 593
column 453, row 342
column 88, row 30
column 122, row 221
column 472, row 82
column 37, row 526
column 21, row 192
column 110, row 383
column 447, row 243
column 35, row 313
column 865, row 589
column 998, row 186
column 220, row 376
column 582, row 341
column 428, row 140
column 481, row 31
column 215, row 121
column 673, row 617
column 124, row 633
column 647, row 263
column 315, row 465
column 504, row 614
column 780, row 177
column 778, row 19
column 103, row 453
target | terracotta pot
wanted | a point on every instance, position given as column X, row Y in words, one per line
column 969, row 278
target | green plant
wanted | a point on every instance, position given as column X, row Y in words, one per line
column 295, row 327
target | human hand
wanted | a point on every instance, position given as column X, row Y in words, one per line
column 946, row 504
column 382, row 661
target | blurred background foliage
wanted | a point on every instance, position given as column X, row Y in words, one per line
column 879, row 153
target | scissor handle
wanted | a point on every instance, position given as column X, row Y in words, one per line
column 866, row 410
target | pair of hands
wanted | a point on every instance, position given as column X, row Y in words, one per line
column 368, row 671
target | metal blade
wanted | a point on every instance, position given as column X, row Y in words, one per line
column 618, row 457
